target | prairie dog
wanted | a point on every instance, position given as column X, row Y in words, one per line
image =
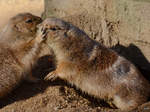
column 19, row 47
column 93, row 68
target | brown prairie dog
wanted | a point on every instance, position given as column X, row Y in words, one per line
column 93, row 68
column 19, row 47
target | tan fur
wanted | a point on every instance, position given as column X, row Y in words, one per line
column 94, row 68
column 19, row 47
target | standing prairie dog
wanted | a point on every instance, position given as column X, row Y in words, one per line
column 93, row 68
column 19, row 47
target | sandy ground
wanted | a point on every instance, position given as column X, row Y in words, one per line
column 9, row 8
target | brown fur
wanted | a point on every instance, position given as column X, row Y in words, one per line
column 19, row 47
column 94, row 68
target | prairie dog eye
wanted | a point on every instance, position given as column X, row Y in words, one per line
column 53, row 29
column 29, row 21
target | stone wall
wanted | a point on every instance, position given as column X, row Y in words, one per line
column 123, row 25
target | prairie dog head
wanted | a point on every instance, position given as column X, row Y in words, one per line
column 56, row 29
column 61, row 34
column 24, row 23
column 20, row 28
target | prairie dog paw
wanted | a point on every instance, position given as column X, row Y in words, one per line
column 41, row 34
column 51, row 76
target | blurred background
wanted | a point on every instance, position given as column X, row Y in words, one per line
column 9, row 8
